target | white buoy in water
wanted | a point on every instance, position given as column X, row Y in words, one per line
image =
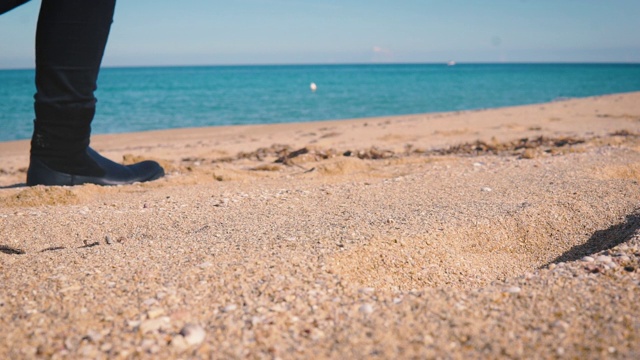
column 313, row 87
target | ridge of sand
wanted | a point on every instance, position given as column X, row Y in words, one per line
column 495, row 233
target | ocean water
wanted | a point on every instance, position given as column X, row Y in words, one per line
column 138, row 99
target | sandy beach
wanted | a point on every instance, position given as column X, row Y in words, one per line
column 499, row 233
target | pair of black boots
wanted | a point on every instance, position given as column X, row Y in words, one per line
column 70, row 40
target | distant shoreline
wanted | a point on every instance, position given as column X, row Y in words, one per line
column 195, row 129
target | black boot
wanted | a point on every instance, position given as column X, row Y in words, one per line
column 95, row 170
column 70, row 42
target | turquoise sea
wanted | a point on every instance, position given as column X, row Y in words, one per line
column 138, row 99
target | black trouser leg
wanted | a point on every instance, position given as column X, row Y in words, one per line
column 70, row 41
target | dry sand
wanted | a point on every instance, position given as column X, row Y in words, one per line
column 496, row 233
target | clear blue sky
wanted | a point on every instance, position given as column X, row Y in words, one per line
column 154, row 32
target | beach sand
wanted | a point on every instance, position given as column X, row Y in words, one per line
column 496, row 233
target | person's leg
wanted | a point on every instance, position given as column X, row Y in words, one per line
column 70, row 42
column 7, row 5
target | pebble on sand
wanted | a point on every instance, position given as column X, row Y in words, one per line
column 179, row 342
column 154, row 324
column 366, row 309
column 513, row 290
column 229, row 308
column 193, row 334
column 155, row 313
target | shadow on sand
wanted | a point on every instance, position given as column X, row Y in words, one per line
column 14, row 186
column 602, row 240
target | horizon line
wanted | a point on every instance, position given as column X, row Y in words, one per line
column 443, row 63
